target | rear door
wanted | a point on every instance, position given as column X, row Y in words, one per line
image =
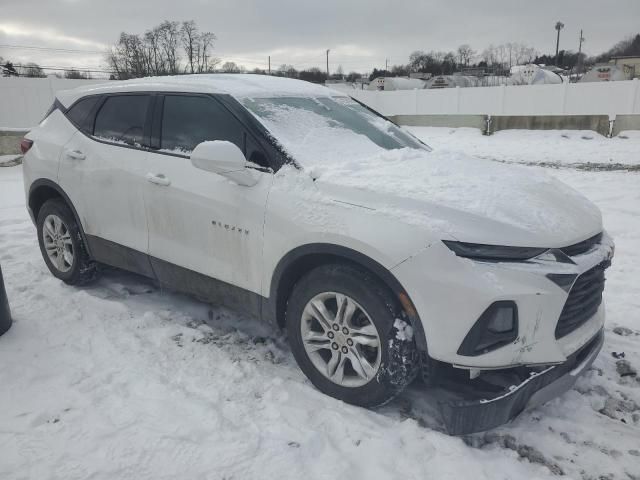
column 102, row 170
column 199, row 220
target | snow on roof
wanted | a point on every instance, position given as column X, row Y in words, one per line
column 237, row 85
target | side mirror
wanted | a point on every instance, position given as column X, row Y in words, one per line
column 224, row 158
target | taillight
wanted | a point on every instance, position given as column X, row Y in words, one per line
column 25, row 145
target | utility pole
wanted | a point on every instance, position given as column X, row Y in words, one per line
column 269, row 60
column 328, row 62
column 582, row 39
column 559, row 26
column 386, row 64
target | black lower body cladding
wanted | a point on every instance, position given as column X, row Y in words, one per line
column 5, row 312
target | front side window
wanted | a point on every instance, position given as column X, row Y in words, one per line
column 121, row 119
column 190, row 120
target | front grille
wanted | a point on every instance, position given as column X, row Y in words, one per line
column 583, row 301
column 582, row 247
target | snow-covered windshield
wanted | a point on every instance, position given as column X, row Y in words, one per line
column 314, row 130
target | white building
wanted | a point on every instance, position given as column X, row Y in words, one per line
column 396, row 83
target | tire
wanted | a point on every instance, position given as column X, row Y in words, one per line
column 390, row 366
column 70, row 262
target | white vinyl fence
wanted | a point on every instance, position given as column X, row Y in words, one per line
column 24, row 101
column 601, row 98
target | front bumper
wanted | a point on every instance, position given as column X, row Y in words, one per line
column 498, row 400
column 450, row 293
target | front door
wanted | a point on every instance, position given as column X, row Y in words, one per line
column 198, row 220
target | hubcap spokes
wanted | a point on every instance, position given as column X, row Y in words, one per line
column 57, row 243
column 340, row 339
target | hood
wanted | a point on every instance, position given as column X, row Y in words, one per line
column 464, row 198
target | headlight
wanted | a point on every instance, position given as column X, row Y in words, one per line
column 493, row 252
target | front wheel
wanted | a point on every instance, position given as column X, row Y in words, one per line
column 348, row 336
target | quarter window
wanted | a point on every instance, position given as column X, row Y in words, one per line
column 79, row 113
column 190, row 120
column 121, row 119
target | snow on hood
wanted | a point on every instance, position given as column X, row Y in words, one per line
column 470, row 199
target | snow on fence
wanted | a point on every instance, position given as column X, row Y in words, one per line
column 599, row 98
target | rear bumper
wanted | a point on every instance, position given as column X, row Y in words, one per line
column 463, row 416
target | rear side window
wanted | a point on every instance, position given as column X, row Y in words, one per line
column 190, row 120
column 79, row 113
column 121, row 119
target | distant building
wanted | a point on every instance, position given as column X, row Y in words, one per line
column 532, row 74
column 8, row 70
column 452, row 81
column 605, row 72
column 396, row 83
column 630, row 65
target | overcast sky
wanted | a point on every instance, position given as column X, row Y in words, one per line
column 360, row 33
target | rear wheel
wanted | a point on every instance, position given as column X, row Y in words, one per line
column 61, row 244
column 343, row 326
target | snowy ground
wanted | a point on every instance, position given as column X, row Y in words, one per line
column 581, row 149
column 122, row 380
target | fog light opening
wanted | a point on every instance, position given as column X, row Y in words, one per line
column 496, row 327
column 503, row 320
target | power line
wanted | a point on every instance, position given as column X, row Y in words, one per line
column 79, row 69
column 52, row 49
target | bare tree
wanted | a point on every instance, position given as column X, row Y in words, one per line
column 128, row 57
column 466, row 54
column 169, row 37
column 230, row 67
column 155, row 60
column 190, row 36
column 285, row 70
column 76, row 74
column 206, row 62
column 157, row 52
column 32, row 70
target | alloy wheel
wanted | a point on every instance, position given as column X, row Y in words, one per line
column 57, row 243
column 340, row 339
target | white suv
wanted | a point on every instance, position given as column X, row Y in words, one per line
column 297, row 204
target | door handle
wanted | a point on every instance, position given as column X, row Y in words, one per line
column 75, row 154
column 158, row 179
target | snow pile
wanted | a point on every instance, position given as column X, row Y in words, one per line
column 583, row 149
column 10, row 160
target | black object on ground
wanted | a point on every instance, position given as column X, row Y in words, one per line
column 5, row 313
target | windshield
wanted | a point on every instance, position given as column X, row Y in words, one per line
column 316, row 130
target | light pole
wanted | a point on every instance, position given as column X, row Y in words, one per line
column 559, row 26
column 328, row 62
